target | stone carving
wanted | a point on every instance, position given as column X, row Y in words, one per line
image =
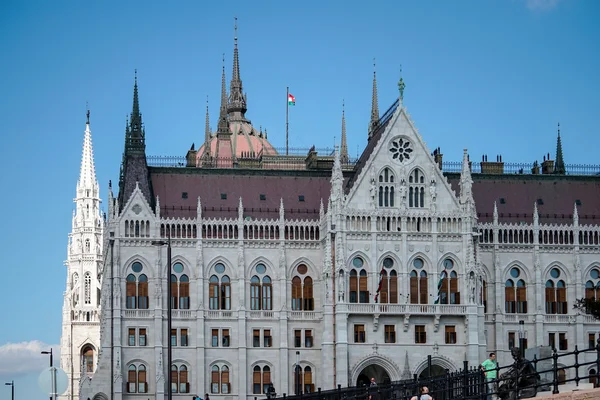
column 373, row 189
column 436, row 349
column 341, row 286
column 520, row 380
column 432, row 191
column 436, row 322
column 471, row 287
column 402, row 191
column 406, row 321
column 157, row 290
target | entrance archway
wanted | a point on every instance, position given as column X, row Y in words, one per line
column 435, row 370
column 373, row 371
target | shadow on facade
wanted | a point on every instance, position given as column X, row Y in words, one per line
column 373, row 371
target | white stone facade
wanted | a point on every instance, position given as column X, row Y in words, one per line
column 428, row 233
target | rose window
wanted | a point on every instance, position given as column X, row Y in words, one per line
column 400, row 149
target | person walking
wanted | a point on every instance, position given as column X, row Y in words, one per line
column 490, row 370
column 423, row 394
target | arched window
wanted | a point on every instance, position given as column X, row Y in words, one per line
column 88, row 288
column 515, row 293
column 137, row 288
column 359, row 289
column 303, row 380
column 179, row 379
column 219, row 289
column 387, row 292
column 418, row 283
column 137, row 379
column 592, row 286
column 416, row 189
column 220, row 380
column 261, row 379
column 556, row 293
column 87, row 359
column 302, row 290
column 180, row 288
column 448, row 289
column 387, row 188
column 261, row 290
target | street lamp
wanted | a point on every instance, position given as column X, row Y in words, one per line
column 169, row 349
column 53, row 372
column 522, row 337
column 12, row 384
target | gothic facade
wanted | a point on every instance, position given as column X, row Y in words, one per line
column 311, row 271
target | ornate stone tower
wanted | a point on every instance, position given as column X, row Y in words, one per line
column 81, row 308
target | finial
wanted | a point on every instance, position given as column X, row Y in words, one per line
column 88, row 115
column 559, row 129
column 135, row 74
column 401, row 85
column 235, row 28
column 374, row 67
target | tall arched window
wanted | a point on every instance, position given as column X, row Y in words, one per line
column 418, row 283
column 416, row 189
column 88, row 288
column 219, row 289
column 387, row 187
column 179, row 379
column 137, row 379
column 261, row 289
column 87, row 358
column 359, row 289
column 137, row 288
column 220, row 380
column 448, row 291
column 515, row 293
column 388, row 284
column 302, row 290
column 180, row 288
column 261, row 379
column 556, row 293
column 592, row 286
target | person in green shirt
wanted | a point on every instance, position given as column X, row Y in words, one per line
column 489, row 368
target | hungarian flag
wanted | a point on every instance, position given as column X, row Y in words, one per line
column 439, row 287
column 291, row 100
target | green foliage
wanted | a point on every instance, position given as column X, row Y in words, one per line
column 588, row 306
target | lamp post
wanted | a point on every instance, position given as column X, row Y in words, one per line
column 53, row 372
column 522, row 336
column 169, row 349
column 298, row 384
column 12, row 384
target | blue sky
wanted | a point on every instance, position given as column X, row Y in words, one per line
column 494, row 77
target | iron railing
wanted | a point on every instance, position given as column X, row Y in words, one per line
column 513, row 168
column 469, row 383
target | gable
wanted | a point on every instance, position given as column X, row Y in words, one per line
column 400, row 173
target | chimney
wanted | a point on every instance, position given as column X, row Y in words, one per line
column 190, row 157
column 547, row 165
column 535, row 170
column 492, row 167
column 437, row 157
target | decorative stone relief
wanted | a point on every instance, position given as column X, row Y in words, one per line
column 436, row 322
column 375, row 322
column 427, row 248
column 406, row 322
column 397, row 247
column 136, row 209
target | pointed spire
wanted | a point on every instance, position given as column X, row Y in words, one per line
column 241, row 209
column 281, row 210
column 575, row 215
column 207, row 131
column 337, row 179
column 406, row 371
column 559, row 164
column 199, row 208
column 135, row 136
column 223, row 124
column 321, row 210
column 374, row 105
column 401, row 86
column 344, row 144
column 87, row 185
column 466, row 181
column 495, row 214
column 536, row 214
column 236, row 108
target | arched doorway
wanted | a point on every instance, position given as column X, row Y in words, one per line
column 373, row 371
column 435, row 370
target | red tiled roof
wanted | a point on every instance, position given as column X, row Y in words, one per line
column 169, row 184
column 557, row 193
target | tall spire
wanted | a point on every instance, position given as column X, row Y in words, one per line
column 207, row 125
column 374, row 104
column 223, row 125
column 466, row 184
column 559, row 164
column 135, row 135
column 344, row 144
column 87, row 185
column 237, row 100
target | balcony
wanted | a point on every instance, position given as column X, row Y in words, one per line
column 261, row 314
column 181, row 314
column 429, row 309
column 220, row 314
column 304, row 315
column 558, row 318
column 137, row 313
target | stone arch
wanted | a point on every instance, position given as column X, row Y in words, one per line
column 516, row 263
column 271, row 270
column 393, row 256
column 441, row 361
column 361, row 254
column 487, row 275
column 561, row 267
column 458, row 265
column 379, row 360
column 147, row 265
column 186, row 265
column 99, row 396
column 312, row 270
column 230, row 270
column 426, row 260
column 586, row 270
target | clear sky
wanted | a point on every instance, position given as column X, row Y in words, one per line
column 494, row 77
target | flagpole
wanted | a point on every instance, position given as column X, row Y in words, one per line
column 287, row 107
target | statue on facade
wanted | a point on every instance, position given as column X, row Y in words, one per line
column 402, row 191
column 520, row 381
column 472, row 288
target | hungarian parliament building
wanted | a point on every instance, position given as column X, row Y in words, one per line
column 298, row 271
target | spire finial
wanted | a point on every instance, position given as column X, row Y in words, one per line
column 222, row 125
column 207, row 130
column 87, row 122
column 374, row 104
column 401, row 85
column 559, row 164
column 344, row 144
column 236, row 108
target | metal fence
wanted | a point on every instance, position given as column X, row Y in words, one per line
column 469, row 383
column 512, row 168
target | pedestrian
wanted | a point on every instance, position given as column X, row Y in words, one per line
column 373, row 383
column 423, row 394
column 490, row 370
column 206, row 397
